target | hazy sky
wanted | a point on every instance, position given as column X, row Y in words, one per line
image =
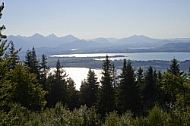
column 98, row 18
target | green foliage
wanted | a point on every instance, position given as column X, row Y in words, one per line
column 84, row 116
column 43, row 72
column 172, row 85
column 2, row 27
column 5, row 95
column 127, row 119
column 150, row 90
column 6, row 87
column 72, row 95
column 89, row 89
column 22, row 96
column 58, row 116
column 180, row 116
column 106, row 99
column 140, row 84
column 140, row 77
column 112, row 119
column 26, row 91
column 57, row 84
column 32, row 63
column 128, row 94
column 13, row 54
column 174, row 67
column 186, row 98
column 17, row 115
column 90, row 116
column 157, row 117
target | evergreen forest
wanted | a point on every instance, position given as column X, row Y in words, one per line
column 31, row 96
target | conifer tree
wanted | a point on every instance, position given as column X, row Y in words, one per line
column 140, row 83
column 72, row 95
column 27, row 91
column 127, row 89
column 150, row 89
column 172, row 83
column 5, row 85
column 58, row 85
column 174, row 67
column 13, row 54
column 43, row 72
column 32, row 63
column 17, row 84
column 140, row 76
column 114, row 75
column 2, row 27
column 106, row 101
column 89, row 89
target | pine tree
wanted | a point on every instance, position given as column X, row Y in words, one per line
column 140, row 77
column 72, row 95
column 27, row 91
column 114, row 75
column 89, row 89
column 32, row 63
column 174, row 67
column 150, row 89
column 5, row 85
column 172, row 84
column 17, row 84
column 58, row 85
column 127, row 89
column 106, row 101
column 43, row 72
column 2, row 27
column 13, row 54
column 140, row 83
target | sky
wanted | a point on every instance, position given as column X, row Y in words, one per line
column 98, row 18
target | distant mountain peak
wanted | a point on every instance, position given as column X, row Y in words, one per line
column 52, row 36
column 36, row 35
column 139, row 36
column 70, row 36
column 68, row 42
column 100, row 40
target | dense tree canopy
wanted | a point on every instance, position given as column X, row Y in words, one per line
column 150, row 89
column 142, row 97
column 17, row 84
column 57, row 86
column 89, row 89
column 26, row 89
column 32, row 63
column 44, row 69
column 127, row 89
column 106, row 95
column 174, row 67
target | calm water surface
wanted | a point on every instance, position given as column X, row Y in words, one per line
column 79, row 74
column 181, row 56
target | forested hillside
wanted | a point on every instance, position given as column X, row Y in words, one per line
column 31, row 96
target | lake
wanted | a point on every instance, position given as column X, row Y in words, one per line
column 79, row 74
column 181, row 56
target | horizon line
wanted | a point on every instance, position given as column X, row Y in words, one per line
column 95, row 37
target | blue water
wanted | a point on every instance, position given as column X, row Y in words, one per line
column 181, row 56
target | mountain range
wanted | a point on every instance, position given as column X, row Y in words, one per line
column 70, row 44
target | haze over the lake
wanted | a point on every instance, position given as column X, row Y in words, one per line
column 98, row 18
